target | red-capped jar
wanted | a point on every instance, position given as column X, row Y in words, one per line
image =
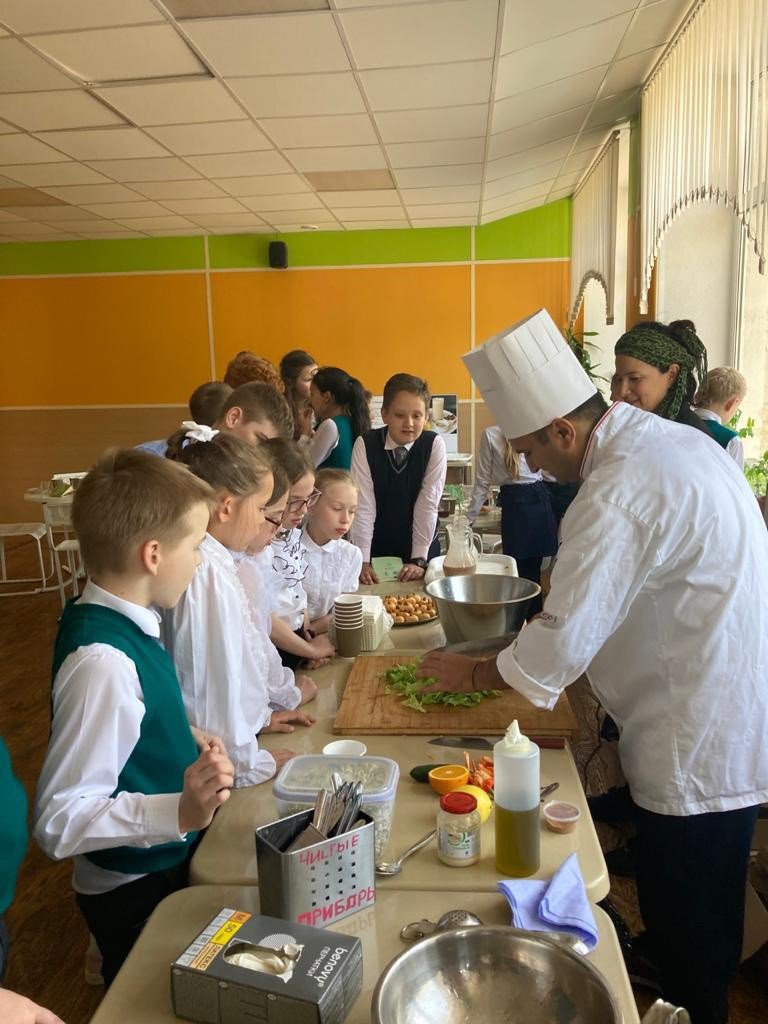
column 458, row 830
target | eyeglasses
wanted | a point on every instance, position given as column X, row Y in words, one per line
column 277, row 523
column 298, row 504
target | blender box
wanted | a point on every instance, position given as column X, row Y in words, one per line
column 246, row 967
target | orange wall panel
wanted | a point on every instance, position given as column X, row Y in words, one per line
column 371, row 322
column 508, row 292
column 123, row 340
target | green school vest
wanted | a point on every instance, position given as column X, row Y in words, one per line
column 13, row 828
column 341, row 456
column 722, row 434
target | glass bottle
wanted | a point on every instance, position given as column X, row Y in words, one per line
column 461, row 556
column 516, row 794
column 458, row 830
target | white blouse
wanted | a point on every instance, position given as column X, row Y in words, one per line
column 492, row 469
column 220, row 662
column 290, row 565
column 332, row 569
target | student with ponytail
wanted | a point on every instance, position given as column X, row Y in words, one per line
column 343, row 414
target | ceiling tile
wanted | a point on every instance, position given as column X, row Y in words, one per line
column 154, row 223
column 560, row 57
column 441, row 222
column 654, row 25
column 103, row 143
column 467, row 210
column 199, row 206
column 424, row 154
column 266, row 185
column 526, row 23
column 567, row 182
column 201, row 189
column 540, row 190
column 112, row 54
column 65, row 108
column 338, row 158
column 547, row 100
column 6, row 128
column 173, row 102
column 631, row 71
column 510, row 182
column 160, row 169
column 50, row 214
column 69, row 173
column 27, row 228
column 368, row 197
column 91, row 225
column 233, row 165
column 376, row 225
column 117, row 232
column 7, row 217
column 176, row 232
column 446, row 194
column 286, row 228
column 270, row 45
column 343, row 4
column 54, row 16
column 355, row 213
column 286, row 96
column 548, row 129
column 399, row 36
column 302, row 132
column 7, row 183
column 590, row 139
column 22, row 70
column 531, row 158
column 116, row 210
column 289, row 202
column 438, row 85
column 309, row 216
column 350, row 181
column 559, row 194
column 228, row 220
column 616, row 108
column 579, row 161
column 23, row 149
column 421, row 177
column 438, row 123
column 93, row 193
column 58, row 236
column 217, row 137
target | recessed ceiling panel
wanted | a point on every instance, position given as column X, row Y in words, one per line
column 167, row 168
column 201, row 206
column 23, row 149
column 547, row 100
column 289, row 202
column 299, row 95
column 305, row 132
column 21, row 70
column 240, row 164
column 358, row 213
column 69, row 173
column 140, row 208
column 436, row 85
column 219, row 137
column 266, row 185
column 631, row 71
column 438, row 123
column 420, row 177
column 526, row 23
column 548, row 129
column 424, row 154
column 79, row 194
column 654, row 24
column 174, row 102
column 103, row 143
column 64, row 108
column 368, row 197
column 444, row 194
column 162, row 190
column 26, row 16
column 338, row 158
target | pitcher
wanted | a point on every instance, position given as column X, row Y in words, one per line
column 463, row 547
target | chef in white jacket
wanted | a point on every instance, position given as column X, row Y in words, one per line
column 659, row 594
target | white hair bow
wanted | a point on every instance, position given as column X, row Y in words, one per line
column 198, row 431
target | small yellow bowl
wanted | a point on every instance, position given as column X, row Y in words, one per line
column 448, row 777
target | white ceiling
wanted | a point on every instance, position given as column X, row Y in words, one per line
column 438, row 112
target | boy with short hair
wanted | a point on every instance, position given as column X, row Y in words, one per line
column 255, row 412
column 717, row 402
column 400, row 473
column 126, row 785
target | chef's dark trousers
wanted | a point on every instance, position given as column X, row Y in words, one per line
column 116, row 918
column 691, row 881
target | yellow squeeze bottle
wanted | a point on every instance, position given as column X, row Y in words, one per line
column 516, row 786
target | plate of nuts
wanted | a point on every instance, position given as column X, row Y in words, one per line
column 410, row 609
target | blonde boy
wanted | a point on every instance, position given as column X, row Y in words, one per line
column 717, row 402
column 126, row 786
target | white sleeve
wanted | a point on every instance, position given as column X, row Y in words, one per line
column 736, row 450
column 353, row 563
column 483, row 477
column 98, row 708
column 324, row 441
column 601, row 566
column 425, row 509
column 365, row 518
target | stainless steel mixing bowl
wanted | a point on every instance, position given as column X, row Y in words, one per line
column 478, row 606
column 493, row 975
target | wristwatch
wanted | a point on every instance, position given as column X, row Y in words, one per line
column 420, row 563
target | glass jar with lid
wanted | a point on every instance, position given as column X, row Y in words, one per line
column 458, row 830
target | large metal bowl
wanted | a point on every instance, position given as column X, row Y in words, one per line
column 477, row 606
column 493, row 975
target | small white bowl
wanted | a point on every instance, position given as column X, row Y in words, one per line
column 345, row 748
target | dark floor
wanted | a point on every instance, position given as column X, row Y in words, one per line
column 49, row 938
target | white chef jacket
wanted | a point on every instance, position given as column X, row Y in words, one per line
column 735, row 448
column 332, row 569
column 98, row 707
column 660, row 594
column 492, row 469
column 211, row 638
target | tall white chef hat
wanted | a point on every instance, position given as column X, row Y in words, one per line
column 528, row 375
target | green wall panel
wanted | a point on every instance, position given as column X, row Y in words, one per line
column 96, row 256
column 541, row 233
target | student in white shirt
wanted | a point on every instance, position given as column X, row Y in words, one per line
column 333, row 564
column 400, row 473
column 209, row 634
column 717, row 402
column 126, row 785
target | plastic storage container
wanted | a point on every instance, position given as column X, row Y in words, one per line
column 300, row 779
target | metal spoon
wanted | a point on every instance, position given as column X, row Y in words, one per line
column 546, row 790
column 450, row 919
column 395, row 867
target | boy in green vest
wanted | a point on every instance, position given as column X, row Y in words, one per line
column 126, row 785
column 717, row 402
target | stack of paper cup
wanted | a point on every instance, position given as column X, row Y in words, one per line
column 348, row 624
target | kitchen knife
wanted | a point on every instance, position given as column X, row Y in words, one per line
column 486, row 743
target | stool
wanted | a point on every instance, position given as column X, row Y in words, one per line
column 34, row 530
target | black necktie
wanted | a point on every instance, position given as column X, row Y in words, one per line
column 399, row 455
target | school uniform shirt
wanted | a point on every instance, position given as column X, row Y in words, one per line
column 289, row 565
column 331, row 445
column 98, row 708
column 424, row 511
column 735, row 447
column 217, row 654
column 281, row 682
column 491, row 469
column 660, row 594
column 332, row 569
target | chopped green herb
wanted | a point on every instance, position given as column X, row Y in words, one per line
column 402, row 680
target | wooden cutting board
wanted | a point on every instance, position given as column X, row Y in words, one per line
column 366, row 709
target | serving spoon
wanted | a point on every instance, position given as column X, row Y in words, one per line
column 395, row 867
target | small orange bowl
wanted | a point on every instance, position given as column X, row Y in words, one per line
column 448, row 777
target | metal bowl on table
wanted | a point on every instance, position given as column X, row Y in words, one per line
column 477, row 606
column 491, row 975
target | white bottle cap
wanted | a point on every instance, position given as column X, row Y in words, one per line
column 514, row 741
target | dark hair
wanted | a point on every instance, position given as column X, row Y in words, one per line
column 291, row 459
column 405, row 382
column 261, row 402
column 683, row 334
column 292, row 364
column 225, row 462
column 274, row 449
column 246, row 367
column 592, row 410
column 207, row 401
column 347, row 392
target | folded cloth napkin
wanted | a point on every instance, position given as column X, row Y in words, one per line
column 556, row 904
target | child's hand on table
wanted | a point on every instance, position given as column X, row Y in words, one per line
column 410, row 572
column 207, row 785
column 16, row 1009
column 321, row 647
column 284, row 721
column 307, row 688
column 367, row 575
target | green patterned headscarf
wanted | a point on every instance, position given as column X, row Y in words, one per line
column 660, row 345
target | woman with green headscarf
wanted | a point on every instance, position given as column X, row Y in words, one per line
column 659, row 368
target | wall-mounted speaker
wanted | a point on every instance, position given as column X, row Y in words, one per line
column 278, row 255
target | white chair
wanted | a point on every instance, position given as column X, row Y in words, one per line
column 57, row 514
column 11, row 530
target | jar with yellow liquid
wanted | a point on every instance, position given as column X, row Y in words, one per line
column 516, row 779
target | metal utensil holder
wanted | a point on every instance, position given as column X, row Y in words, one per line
column 319, row 884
